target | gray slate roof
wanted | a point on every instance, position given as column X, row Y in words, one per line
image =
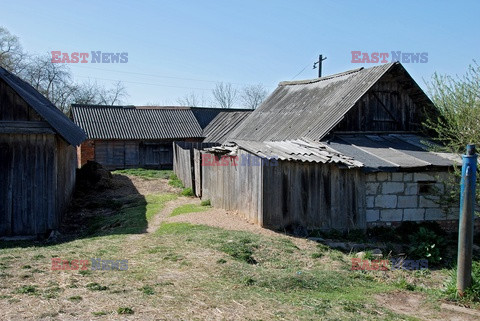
column 311, row 108
column 205, row 115
column 73, row 134
column 129, row 122
column 371, row 153
column 223, row 124
column 391, row 152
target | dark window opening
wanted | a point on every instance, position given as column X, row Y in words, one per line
column 426, row 187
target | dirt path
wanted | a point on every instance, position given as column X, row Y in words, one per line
column 415, row 305
column 167, row 210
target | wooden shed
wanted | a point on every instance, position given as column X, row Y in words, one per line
column 348, row 151
column 37, row 159
column 140, row 136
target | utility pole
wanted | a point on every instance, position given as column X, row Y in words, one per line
column 465, row 228
column 319, row 63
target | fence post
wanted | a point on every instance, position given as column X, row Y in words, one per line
column 466, row 220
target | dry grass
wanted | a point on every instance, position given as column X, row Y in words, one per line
column 204, row 271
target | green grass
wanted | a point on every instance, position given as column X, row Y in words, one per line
column 175, row 181
column 125, row 310
column 188, row 208
column 188, row 191
column 145, row 173
column 133, row 217
column 206, row 203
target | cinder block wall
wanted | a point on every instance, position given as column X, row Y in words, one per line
column 403, row 196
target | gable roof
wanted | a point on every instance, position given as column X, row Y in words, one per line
column 130, row 122
column 73, row 134
column 221, row 126
column 205, row 115
column 311, row 108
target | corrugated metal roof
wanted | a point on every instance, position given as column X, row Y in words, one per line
column 205, row 115
column 391, row 152
column 73, row 134
column 296, row 150
column 311, row 108
column 222, row 125
column 128, row 122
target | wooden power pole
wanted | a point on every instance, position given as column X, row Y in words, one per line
column 319, row 63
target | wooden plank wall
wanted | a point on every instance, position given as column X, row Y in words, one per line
column 183, row 162
column 66, row 170
column 314, row 196
column 29, row 182
column 385, row 107
column 235, row 188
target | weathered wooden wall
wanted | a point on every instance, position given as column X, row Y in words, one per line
column 387, row 106
column 236, row 188
column 120, row 154
column 37, row 172
column 313, row 196
column 290, row 195
column 183, row 162
column 37, row 169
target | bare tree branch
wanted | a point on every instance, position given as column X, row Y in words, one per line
column 225, row 95
column 252, row 96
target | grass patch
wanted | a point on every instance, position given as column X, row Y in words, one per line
column 145, row 173
column 94, row 286
column 148, row 290
column 75, row 298
column 175, row 181
column 99, row 313
column 241, row 250
column 131, row 219
column 27, row 289
column 187, row 192
column 125, row 310
column 206, row 203
column 188, row 208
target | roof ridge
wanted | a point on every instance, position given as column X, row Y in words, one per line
column 314, row 80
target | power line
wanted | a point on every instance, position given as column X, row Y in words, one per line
column 300, row 72
column 160, row 76
column 142, row 83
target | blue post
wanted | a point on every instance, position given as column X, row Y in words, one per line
column 466, row 219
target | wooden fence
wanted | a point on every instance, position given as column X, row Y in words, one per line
column 186, row 166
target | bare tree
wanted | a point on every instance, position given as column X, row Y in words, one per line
column 54, row 80
column 192, row 100
column 225, row 95
column 12, row 56
column 252, row 96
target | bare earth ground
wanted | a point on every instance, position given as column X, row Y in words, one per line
column 178, row 279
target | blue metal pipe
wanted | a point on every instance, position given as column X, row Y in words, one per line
column 466, row 219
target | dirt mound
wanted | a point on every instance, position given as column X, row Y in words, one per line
column 93, row 176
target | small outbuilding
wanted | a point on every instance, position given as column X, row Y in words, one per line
column 37, row 159
column 343, row 151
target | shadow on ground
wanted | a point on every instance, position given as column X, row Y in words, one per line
column 103, row 204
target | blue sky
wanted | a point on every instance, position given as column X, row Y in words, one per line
column 178, row 47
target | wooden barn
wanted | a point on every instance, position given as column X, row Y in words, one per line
column 133, row 136
column 37, row 159
column 342, row 151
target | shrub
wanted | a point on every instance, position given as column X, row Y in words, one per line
column 426, row 244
